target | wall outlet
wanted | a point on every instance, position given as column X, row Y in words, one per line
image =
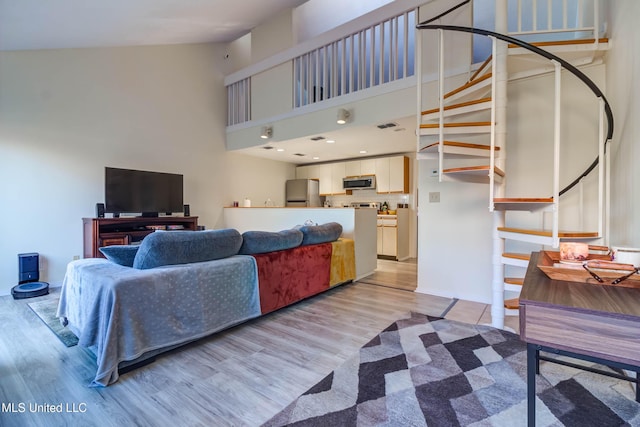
column 433, row 172
column 76, row 257
column 434, row 197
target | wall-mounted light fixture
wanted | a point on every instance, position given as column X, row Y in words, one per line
column 267, row 132
column 343, row 116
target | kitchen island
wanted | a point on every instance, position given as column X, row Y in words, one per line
column 358, row 224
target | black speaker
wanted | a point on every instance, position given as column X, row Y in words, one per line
column 28, row 267
column 187, row 211
column 99, row 210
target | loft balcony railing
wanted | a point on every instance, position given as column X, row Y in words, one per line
column 554, row 16
column 239, row 102
column 379, row 54
column 384, row 52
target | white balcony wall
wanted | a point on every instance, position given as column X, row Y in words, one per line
column 623, row 86
column 271, row 92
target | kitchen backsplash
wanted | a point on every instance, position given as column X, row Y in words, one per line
column 371, row 196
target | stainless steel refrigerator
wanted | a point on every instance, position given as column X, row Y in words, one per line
column 303, row 192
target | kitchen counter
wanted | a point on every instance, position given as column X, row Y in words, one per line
column 358, row 224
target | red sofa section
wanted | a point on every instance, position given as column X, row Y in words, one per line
column 288, row 276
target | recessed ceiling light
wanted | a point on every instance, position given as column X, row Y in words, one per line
column 280, row 149
column 330, row 141
column 363, row 151
column 316, row 158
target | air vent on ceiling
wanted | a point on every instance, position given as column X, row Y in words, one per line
column 317, row 138
column 299, row 154
column 387, row 125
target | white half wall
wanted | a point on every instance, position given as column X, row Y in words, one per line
column 66, row 114
column 623, row 69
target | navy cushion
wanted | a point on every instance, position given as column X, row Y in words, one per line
column 314, row 234
column 260, row 242
column 182, row 247
column 120, row 254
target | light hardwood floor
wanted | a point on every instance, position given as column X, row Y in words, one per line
column 394, row 274
column 240, row 377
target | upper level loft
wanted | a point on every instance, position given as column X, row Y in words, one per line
column 373, row 59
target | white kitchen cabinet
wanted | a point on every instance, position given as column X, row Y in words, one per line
column 302, row 172
column 382, row 175
column 399, row 174
column 393, row 235
column 323, row 173
column 390, row 241
column 392, row 174
column 352, row 168
column 368, row 167
column 338, row 171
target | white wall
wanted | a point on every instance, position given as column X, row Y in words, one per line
column 318, row 16
column 272, row 36
column 66, row 114
column 623, row 87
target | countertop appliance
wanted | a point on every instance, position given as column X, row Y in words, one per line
column 303, row 193
column 359, row 182
column 375, row 205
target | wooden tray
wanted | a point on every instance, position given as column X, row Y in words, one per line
column 549, row 263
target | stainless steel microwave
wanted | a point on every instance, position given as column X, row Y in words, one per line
column 359, row 182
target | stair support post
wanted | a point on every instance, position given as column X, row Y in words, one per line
column 556, row 152
column 500, row 80
column 418, row 75
column 492, row 156
column 601, row 168
column 440, row 104
column 497, row 285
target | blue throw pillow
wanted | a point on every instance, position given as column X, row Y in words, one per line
column 183, row 247
column 120, row 254
column 260, row 242
column 314, row 234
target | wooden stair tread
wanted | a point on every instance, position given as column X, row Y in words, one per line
column 514, row 255
column 453, row 125
column 512, row 304
column 459, row 105
column 565, row 42
column 481, row 68
column 473, row 170
column 514, row 280
column 548, row 233
column 523, row 200
column 530, row 204
column 459, row 144
column 468, row 85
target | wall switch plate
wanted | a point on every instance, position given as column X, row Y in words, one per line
column 434, row 197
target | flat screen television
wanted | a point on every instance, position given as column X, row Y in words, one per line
column 144, row 192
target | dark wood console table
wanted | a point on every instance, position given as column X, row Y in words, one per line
column 597, row 323
column 99, row 232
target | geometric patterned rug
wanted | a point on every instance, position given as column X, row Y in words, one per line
column 429, row 371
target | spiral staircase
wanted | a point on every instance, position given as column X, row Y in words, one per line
column 469, row 126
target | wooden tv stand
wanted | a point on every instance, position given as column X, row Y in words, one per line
column 98, row 232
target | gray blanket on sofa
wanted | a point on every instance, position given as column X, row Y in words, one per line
column 121, row 313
